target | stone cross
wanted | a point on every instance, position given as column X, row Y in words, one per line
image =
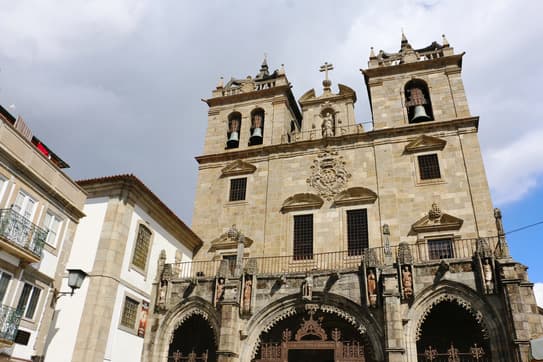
column 325, row 68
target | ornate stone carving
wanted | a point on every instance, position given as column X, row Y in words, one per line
column 311, row 327
column 355, row 196
column 329, row 175
column 307, row 288
column 372, row 288
column 303, row 201
column 370, row 258
column 407, row 282
column 425, row 143
column 236, row 168
column 436, row 220
column 404, row 254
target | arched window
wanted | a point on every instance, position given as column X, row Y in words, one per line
column 328, row 125
column 234, row 125
column 257, row 127
column 417, row 101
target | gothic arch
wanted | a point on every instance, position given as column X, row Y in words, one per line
column 176, row 316
column 492, row 326
column 357, row 316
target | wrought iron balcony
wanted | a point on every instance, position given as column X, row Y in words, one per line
column 340, row 261
column 20, row 236
column 9, row 323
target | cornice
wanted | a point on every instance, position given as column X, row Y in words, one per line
column 455, row 60
column 374, row 136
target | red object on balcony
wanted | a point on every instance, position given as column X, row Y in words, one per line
column 42, row 149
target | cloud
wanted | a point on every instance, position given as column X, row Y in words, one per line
column 538, row 291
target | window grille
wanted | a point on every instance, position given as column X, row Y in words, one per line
column 130, row 312
column 429, row 167
column 440, row 249
column 357, row 231
column 141, row 249
column 238, row 188
column 303, row 237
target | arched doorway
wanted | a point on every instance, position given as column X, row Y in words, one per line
column 313, row 336
column 450, row 333
column 193, row 341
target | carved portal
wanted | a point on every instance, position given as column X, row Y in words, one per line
column 311, row 336
column 329, row 175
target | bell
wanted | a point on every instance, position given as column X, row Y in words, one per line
column 233, row 140
column 420, row 114
column 256, row 136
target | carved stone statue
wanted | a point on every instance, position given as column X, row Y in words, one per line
column 328, row 125
column 219, row 290
column 247, row 294
column 407, row 281
column 372, row 288
column 487, row 274
column 307, row 288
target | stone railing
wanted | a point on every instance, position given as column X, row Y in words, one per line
column 316, row 133
column 20, row 231
column 9, row 323
column 340, row 261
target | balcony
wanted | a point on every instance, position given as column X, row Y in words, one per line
column 9, row 323
column 20, row 237
column 341, row 261
column 315, row 134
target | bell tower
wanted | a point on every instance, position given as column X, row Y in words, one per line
column 415, row 85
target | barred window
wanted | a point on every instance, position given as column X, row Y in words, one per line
column 357, row 231
column 440, row 249
column 130, row 313
column 141, row 249
column 303, row 237
column 238, row 187
column 429, row 167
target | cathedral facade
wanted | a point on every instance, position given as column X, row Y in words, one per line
column 327, row 241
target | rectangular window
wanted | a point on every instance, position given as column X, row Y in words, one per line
column 4, row 283
column 28, row 301
column 141, row 249
column 130, row 313
column 22, row 337
column 429, row 167
column 24, row 205
column 357, row 231
column 238, row 187
column 440, row 249
column 52, row 225
column 303, row 237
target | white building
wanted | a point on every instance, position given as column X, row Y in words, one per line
column 39, row 210
column 126, row 231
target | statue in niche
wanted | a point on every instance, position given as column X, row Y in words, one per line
column 328, row 125
column 407, row 281
column 247, row 294
column 219, row 290
column 487, row 273
column 372, row 288
column 307, row 288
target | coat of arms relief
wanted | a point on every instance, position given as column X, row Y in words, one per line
column 329, row 175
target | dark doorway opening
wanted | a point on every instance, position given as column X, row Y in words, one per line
column 311, row 355
column 193, row 336
column 451, row 329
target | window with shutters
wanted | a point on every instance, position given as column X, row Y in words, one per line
column 141, row 248
column 357, row 231
column 28, row 300
column 303, row 237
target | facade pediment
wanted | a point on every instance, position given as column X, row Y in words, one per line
column 436, row 220
column 227, row 242
column 355, row 196
column 238, row 167
column 425, row 143
column 302, row 202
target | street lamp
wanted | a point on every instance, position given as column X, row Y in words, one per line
column 75, row 280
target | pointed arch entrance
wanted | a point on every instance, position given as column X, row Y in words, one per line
column 193, row 341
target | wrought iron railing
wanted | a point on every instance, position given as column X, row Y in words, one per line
column 9, row 322
column 21, row 231
column 339, row 261
column 318, row 134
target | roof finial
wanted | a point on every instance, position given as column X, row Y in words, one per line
column 263, row 68
column 325, row 68
column 282, row 69
column 405, row 43
column 220, row 84
column 372, row 54
column 445, row 41
column 404, row 38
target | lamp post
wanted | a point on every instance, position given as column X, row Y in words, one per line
column 75, row 280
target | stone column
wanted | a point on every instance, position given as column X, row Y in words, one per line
column 394, row 335
column 229, row 337
column 524, row 321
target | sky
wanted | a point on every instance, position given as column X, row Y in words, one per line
column 116, row 86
